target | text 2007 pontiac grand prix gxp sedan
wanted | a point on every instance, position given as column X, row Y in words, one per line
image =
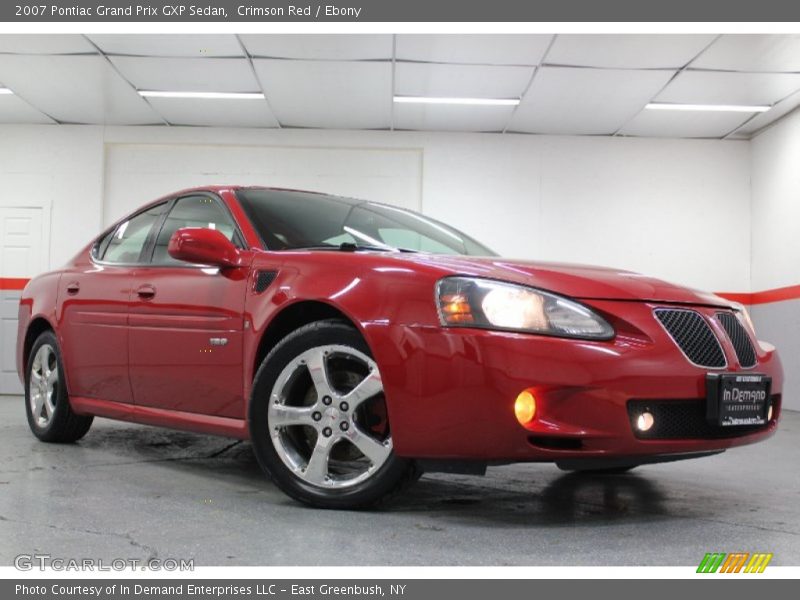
column 357, row 344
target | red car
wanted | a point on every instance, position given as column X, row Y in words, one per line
column 358, row 344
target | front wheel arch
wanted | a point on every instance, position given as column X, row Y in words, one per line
column 291, row 318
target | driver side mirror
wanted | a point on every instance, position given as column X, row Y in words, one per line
column 204, row 247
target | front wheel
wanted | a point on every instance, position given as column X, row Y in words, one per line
column 50, row 416
column 318, row 420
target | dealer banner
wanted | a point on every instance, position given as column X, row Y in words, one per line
column 405, row 11
column 375, row 589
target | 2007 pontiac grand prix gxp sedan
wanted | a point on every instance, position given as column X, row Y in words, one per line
column 358, row 344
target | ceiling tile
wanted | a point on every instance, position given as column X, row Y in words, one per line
column 585, row 101
column 320, row 47
column 750, row 52
column 329, row 94
column 761, row 120
column 451, row 118
column 713, row 87
column 475, row 49
column 14, row 109
column 472, row 81
column 183, row 45
column 626, row 51
column 45, row 44
column 75, row 89
column 215, row 112
column 683, row 124
column 188, row 74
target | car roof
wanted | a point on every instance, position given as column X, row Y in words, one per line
column 220, row 188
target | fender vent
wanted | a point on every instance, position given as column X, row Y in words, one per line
column 263, row 280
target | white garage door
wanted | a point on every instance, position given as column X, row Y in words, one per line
column 21, row 257
column 136, row 173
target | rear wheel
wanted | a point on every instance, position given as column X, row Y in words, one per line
column 319, row 423
column 50, row 416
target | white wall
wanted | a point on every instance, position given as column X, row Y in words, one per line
column 776, row 205
column 776, row 242
column 632, row 203
column 60, row 170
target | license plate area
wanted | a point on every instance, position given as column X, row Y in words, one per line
column 737, row 399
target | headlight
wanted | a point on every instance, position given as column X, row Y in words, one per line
column 488, row 304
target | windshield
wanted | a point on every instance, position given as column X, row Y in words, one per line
column 289, row 220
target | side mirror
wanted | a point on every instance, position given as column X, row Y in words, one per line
column 204, row 247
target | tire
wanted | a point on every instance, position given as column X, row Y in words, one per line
column 50, row 415
column 318, row 420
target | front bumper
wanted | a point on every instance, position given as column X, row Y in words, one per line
column 451, row 392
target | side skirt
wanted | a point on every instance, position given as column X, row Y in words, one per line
column 159, row 417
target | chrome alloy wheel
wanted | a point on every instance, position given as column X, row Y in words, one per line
column 327, row 417
column 44, row 385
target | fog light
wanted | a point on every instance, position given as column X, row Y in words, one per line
column 769, row 413
column 645, row 421
column 525, row 407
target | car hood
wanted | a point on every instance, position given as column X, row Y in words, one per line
column 577, row 281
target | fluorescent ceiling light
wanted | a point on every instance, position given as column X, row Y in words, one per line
column 463, row 101
column 5, row 91
column 203, row 95
column 708, row 107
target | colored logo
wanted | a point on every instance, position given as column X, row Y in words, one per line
column 737, row 562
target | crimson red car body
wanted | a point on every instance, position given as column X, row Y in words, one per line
column 135, row 343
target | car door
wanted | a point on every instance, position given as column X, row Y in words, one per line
column 94, row 298
column 186, row 321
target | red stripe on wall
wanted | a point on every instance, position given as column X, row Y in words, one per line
column 743, row 298
column 10, row 284
column 791, row 292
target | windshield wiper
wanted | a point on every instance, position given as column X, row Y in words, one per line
column 351, row 247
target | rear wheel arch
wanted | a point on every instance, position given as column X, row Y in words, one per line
column 36, row 327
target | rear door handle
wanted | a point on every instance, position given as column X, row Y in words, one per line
column 146, row 292
column 73, row 288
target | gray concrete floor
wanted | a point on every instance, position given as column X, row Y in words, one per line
column 128, row 491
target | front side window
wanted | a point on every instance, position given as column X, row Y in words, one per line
column 129, row 238
column 192, row 211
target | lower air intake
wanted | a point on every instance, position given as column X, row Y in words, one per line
column 683, row 420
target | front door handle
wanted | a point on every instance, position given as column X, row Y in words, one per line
column 146, row 292
column 73, row 288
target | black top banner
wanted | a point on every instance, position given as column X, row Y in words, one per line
column 400, row 11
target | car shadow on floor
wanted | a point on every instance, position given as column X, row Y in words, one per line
column 528, row 495
column 568, row 499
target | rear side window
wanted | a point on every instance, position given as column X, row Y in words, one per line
column 129, row 238
column 192, row 211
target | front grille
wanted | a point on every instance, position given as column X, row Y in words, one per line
column 739, row 338
column 694, row 337
column 682, row 420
